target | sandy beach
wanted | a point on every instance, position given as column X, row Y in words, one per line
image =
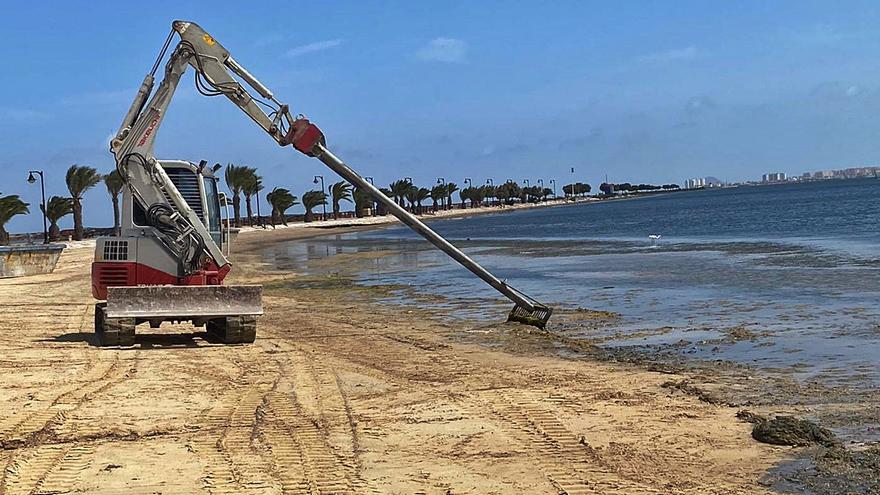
column 339, row 395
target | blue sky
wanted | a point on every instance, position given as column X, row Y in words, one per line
column 642, row 91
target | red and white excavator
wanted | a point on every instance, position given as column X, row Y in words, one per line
column 169, row 260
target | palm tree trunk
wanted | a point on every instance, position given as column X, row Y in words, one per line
column 250, row 212
column 4, row 236
column 55, row 231
column 116, row 224
column 77, row 220
column 236, row 207
column 335, row 210
column 308, row 216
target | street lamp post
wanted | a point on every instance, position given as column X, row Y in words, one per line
column 553, row 181
column 491, row 183
column 526, row 182
column 441, row 180
column 31, row 179
column 321, row 178
column 259, row 217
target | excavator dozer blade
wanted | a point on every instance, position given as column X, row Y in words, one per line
column 184, row 302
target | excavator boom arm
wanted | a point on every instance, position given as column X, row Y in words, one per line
column 134, row 142
column 214, row 67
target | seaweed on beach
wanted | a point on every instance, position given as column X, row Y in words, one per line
column 833, row 470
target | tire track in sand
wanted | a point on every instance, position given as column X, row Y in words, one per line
column 571, row 465
column 48, row 469
column 232, row 463
column 40, row 462
column 306, row 423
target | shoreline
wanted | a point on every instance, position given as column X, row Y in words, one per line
column 393, row 400
column 746, row 388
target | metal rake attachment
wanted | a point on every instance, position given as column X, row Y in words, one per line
column 537, row 317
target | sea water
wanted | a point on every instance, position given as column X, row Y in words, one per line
column 796, row 265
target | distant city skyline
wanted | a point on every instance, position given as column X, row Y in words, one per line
column 643, row 91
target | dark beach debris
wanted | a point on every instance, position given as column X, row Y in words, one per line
column 788, row 430
column 690, row 389
column 830, row 471
column 750, row 417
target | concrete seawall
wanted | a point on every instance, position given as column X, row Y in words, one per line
column 20, row 261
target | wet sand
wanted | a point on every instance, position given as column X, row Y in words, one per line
column 340, row 395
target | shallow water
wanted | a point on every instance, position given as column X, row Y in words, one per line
column 795, row 266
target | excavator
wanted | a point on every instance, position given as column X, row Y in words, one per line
column 171, row 255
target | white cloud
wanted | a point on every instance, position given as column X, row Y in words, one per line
column 668, row 56
column 313, row 47
column 269, row 39
column 449, row 50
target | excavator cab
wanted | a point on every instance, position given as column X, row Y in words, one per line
column 142, row 280
column 198, row 186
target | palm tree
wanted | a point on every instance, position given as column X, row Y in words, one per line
column 80, row 178
column 382, row 209
column 421, row 195
column 57, row 208
column 466, row 194
column 451, row 187
column 281, row 200
column 415, row 196
column 411, row 195
column 362, row 201
column 438, row 193
column 341, row 191
column 114, row 184
column 9, row 207
column 237, row 177
column 399, row 189
column 312, row 199
column 479, row 195
column 252, row 185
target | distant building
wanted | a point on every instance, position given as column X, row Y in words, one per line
column 773, row 177
column 694, row 183
column 823, row 174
